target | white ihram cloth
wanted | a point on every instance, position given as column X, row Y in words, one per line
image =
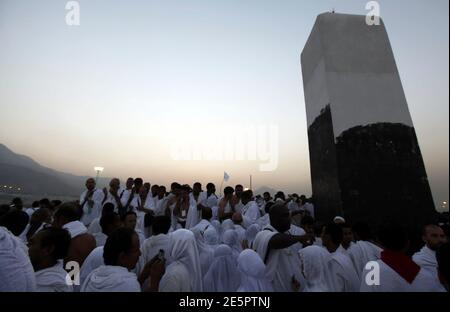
column 263, row 221
column 100, row 239
column 343, row 250
column 211, row 200
column 241, row 233
column 16, row 271
column 426, row 259
column 343, row 273
column 111, row 278
column 218, row 226
column 124, row 195
column 250, row 213
column 141, row 236
column 175, row 280
column 205, row 251
column 140, row 215
column 362, row 252
column 282, row 264
column 149, row 203
column 111, row 199
column 310, row 208
column 238, row 207
column 202, row 225
column 194, row 214
column 160, row 205
column 315, row 266
column 227, row 224
column 297, row 231
column 391, row 281
column 251, row 233
column 75, row 228
column 31, row 210
column 94, row 227
column 23, row 235
column 223, row 275
column 150, row 248
column 92, row 262
column 318, row 242
column 293, row 206
column 215, row 212
column 183, row 258
column 175, row 225
column 94, row 211
column 230, row 238
column 227, row 208
column 192, row 217
column 53, row 279
column 253, row 273
column 211, row 237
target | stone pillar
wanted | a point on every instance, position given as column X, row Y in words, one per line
column 365, row 159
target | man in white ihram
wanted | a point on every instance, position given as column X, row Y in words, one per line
column 250, row 211
column 47, row 249
column 91, row 202
column 16, row 271
column 197, row 198
column 272, row 244
column 397, row 271
column 343, row 276
column 120, row 253
column 434, row 237
column 364, row 250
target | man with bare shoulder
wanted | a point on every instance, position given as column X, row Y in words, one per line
column 82, row 243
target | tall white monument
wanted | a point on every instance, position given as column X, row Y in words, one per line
column 365, row 160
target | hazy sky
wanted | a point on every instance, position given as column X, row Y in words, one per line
column 136, row 76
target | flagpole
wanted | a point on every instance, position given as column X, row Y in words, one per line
column 251, row 182
column 221, row 184
column 225, row 179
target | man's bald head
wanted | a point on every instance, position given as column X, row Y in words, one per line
column 236, row 218
column 433, row 236
column 114, row 184
column 280, row 217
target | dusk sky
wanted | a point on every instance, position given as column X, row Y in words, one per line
column 136, row 77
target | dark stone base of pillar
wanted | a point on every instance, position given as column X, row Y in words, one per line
column 369, row 173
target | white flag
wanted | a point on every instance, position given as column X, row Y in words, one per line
column 226, row 177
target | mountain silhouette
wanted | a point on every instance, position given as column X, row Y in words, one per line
column 32, row 178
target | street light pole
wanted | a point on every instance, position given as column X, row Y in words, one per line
column 98, row 170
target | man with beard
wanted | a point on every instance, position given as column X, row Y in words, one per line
column 433, row 237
